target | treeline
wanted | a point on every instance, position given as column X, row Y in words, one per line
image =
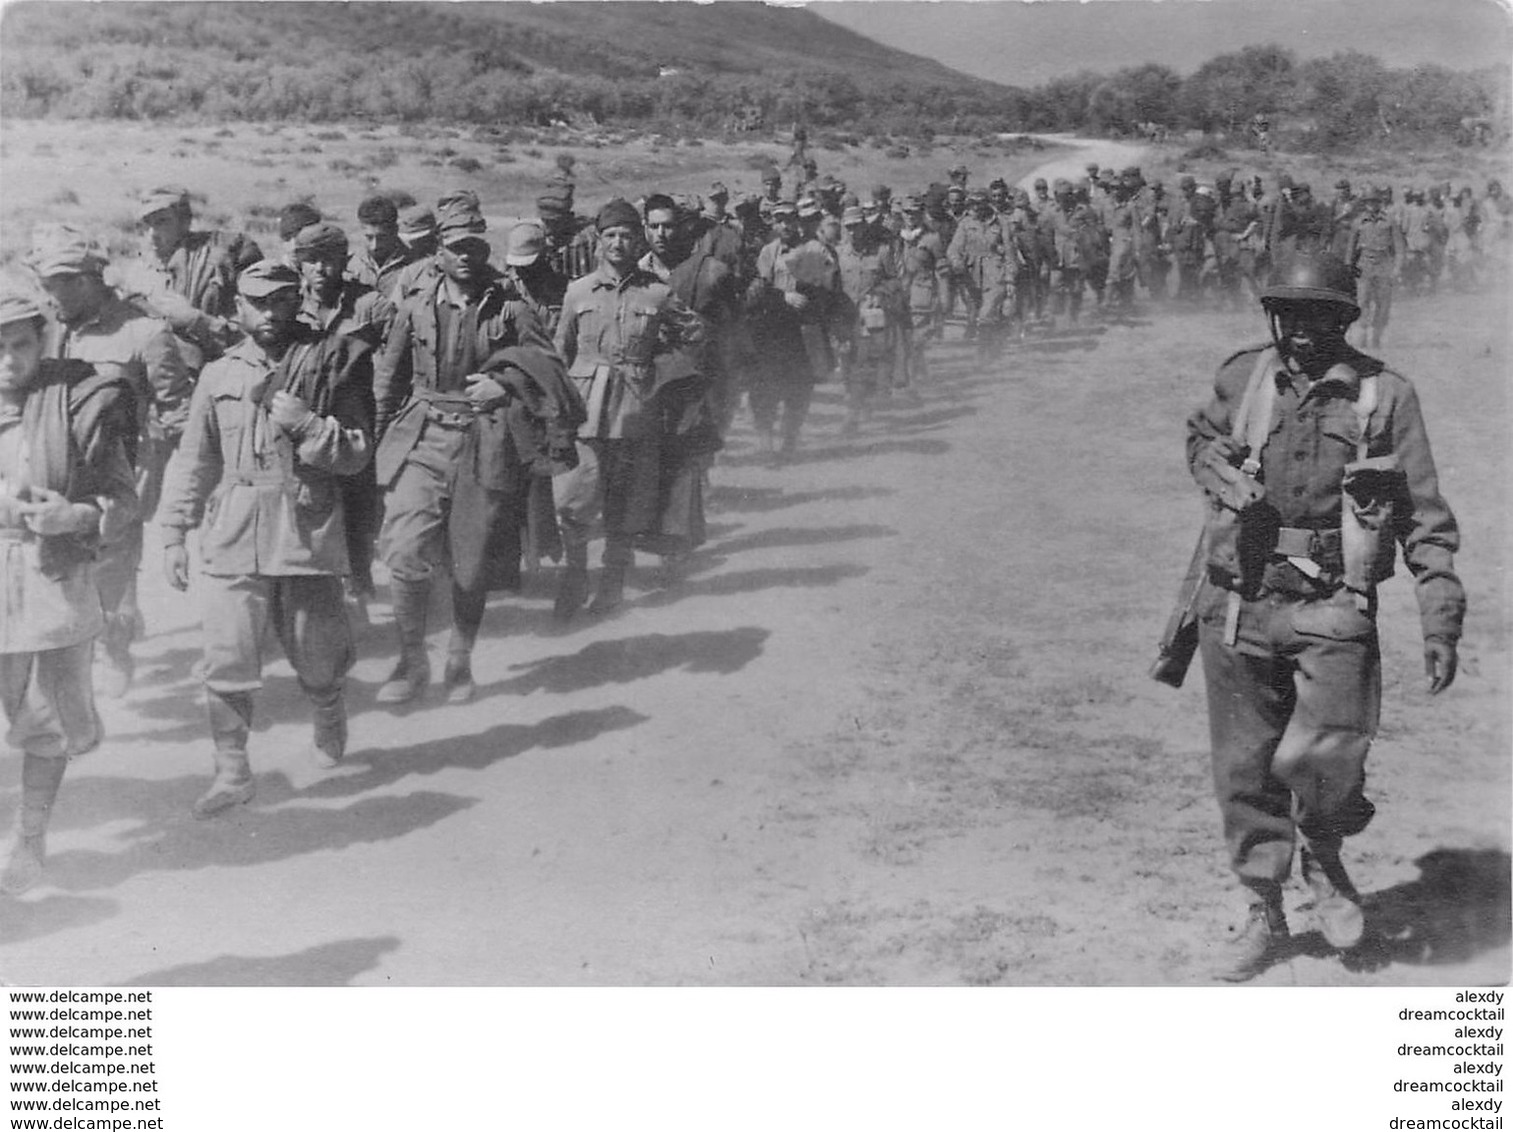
column 539, row 64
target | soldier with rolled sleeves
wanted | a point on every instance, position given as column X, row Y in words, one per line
column 618, row 324
column 273, row 426
column 1376, row 250
column 1316, row 464
column 188, row 276
column 66, row 486
column 97, row 325
column 467, row 388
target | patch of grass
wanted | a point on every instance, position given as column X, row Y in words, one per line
column 466, row 164
column 330, row 135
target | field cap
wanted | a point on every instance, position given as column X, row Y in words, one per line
column 18, row 304
column 718, row 191
column 161, row 199
column 783, row 208
column 293, row 218
column 61, row 249
column 554, row 204
column 618, row 214
column 526, row 243
column 417, row 221
column 379, row 211
column 808, row 207
column 319, row 241
column 460, row 219
column 853, row 215
column 267, row 277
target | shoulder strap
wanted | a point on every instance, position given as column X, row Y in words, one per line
column 1365, row 405
column 1252, row 424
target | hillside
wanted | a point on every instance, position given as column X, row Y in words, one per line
column 515, row 61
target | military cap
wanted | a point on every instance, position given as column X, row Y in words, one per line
column 293, row 217
column 465, row 196
column 564, row 178
column 1130, row 173
column 460, row 219
column 853, row 215
column 267, row 277
column 378, row 211
column 417, row 221
column 318, row 241
column 997, row 183
column 808, row 207
column 18, row 304
column 1040, row 183
column 772, row 176
column 718, row 191
column 1092, row 168
column 161, row 199
column 62, row 249
column 553, row 204
column 912, row 203
column 783, row 208
column 525, row 245
column 617, row 214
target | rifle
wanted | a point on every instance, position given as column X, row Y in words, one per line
column 1180, row 640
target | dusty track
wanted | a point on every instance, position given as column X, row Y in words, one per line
column 893, row 728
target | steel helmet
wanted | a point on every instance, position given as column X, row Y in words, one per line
column 1314, row 279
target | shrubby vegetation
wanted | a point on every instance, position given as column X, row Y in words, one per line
column 674, row 69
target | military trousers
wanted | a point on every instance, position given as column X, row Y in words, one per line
column 49, row 701
column 618, row 481
column 306, row 614
column 1376, row 299
column 1293, row 705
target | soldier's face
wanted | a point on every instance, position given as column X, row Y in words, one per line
column 75, row 296
column 269, row 319
column 381, row 240
column 619, row 246
column 166, row 230
column 999, row 198
column 322, row 274
column 20, row 353
column 462, row 260
column 1308, row 334
column 661, row 230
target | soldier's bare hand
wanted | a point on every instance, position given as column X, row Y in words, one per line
column 1440, row 663
column 485, row 392
column 796, row 300
column 289, row 412
column 49, row 512
column 176, row 566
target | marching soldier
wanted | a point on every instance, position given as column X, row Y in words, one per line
column 1376, row 250
column 976, row 258
column 1316, row 463
column 383, row 256
column 98, row 326
column 273, row 425
column 66, row 486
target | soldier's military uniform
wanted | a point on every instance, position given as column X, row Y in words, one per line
column 454, row 467
column 63, row 429
column 263, row 490
column 1316, row 461
column 1376, row 250
column 114, row 336
column 925, row 276
column 976, row 255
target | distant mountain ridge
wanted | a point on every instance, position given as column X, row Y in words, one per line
column 265, row 59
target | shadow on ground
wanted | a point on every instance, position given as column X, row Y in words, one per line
column 325, row 965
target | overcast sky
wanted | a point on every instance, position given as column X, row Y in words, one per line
column 1024, row 44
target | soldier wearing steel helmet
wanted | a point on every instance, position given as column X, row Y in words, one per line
column 1316, row 465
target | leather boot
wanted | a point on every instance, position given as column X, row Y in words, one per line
column 230, row 721
column 1336, row 903
column 1259, row 941
column 329, row 744
column 611, row 591
column 412, row 672
column 40, row 779
column 572, row 588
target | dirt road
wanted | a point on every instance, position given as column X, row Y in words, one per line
column 894, row 728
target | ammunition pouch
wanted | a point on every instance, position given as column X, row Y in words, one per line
column 1371, row 489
